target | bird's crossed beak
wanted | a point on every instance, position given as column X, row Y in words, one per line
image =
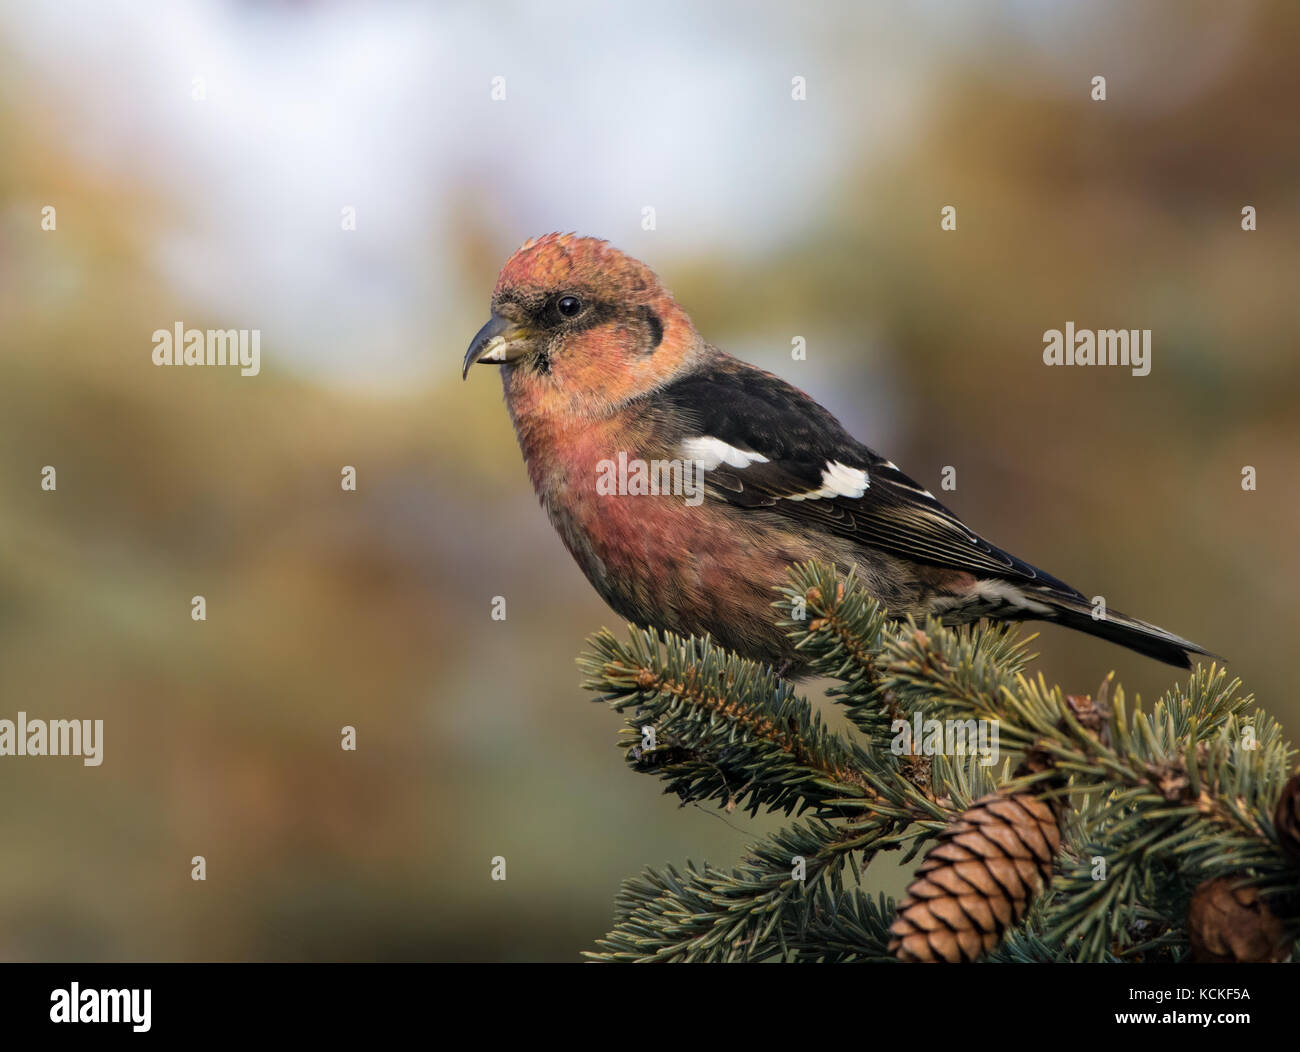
column 499, row 341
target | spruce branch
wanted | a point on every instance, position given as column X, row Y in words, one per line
column 848, row 926
column 708, row 914
column 723, row 728
column 1153, row 812
column 839, row 628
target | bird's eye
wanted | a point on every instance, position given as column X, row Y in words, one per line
column 569, row 305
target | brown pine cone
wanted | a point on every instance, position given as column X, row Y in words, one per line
column 978, row 880
column 1286, row 819
column 1228, row 925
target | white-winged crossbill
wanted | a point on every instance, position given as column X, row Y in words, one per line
column 601, row 366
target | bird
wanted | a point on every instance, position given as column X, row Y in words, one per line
column 600, row 365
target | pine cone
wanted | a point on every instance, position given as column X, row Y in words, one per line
column 1228, row 925
column 978, row 880
column 1286, row 819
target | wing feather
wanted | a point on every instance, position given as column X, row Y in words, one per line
column 799, row 461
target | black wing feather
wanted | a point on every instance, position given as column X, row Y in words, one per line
column 760, row 413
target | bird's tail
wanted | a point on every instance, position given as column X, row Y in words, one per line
column 1077, row 613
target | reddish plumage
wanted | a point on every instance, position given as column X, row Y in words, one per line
column 598, row 359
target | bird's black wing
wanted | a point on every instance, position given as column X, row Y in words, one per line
column 792, row 456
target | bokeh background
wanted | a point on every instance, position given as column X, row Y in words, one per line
column 775, row 218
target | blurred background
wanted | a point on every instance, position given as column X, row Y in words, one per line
column 199, row 156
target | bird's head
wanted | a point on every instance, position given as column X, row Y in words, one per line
column 579, row 326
